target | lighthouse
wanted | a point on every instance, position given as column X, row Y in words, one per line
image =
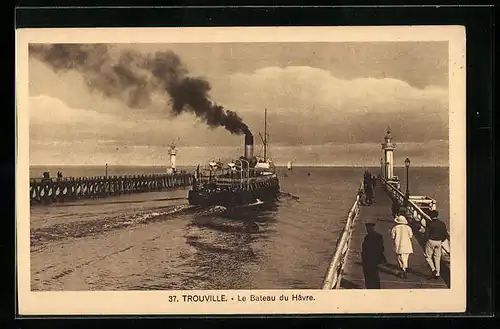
column 388, row 148
column 172, row 152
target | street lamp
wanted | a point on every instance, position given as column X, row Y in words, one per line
column 407, row 195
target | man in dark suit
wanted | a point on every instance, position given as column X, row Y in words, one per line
column 368, row 187
column 372, row 254
column 436, row 233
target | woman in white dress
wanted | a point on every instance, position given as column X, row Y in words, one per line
column 401, row 235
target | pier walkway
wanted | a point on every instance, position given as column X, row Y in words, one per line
column 380, row 213
column 346, row 268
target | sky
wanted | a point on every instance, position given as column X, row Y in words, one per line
column 327, row 104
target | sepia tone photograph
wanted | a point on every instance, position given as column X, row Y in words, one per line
column 273, row 165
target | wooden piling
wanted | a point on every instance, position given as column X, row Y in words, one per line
column 48, row 190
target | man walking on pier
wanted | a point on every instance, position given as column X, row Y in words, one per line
column 436, row 233
column 368, row 187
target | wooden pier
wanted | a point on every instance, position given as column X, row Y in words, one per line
column 50, row 190
column 346, row 268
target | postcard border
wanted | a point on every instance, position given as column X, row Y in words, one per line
column 38, row 303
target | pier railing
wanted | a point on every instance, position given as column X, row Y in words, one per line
column 49, row 190
column 335, row 270
column 417, row 214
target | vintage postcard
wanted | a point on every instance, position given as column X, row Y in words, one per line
column 266, row 170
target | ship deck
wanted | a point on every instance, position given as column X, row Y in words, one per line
column 419, row 273
column 227, row 181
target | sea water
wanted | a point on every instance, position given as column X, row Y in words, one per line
column 134, row 242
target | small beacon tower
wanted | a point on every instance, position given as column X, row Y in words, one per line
column 388, row 160
column 172, row 152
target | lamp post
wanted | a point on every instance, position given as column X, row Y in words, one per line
column 407, row 195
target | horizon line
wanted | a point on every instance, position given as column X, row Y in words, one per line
column 194, row 165
column 277, row 145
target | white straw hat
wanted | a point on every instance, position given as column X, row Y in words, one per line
column 400, row 220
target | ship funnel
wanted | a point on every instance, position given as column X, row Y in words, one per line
column 248, row 145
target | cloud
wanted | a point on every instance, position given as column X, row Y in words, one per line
column 295, row 87
column 63, row 135
column 53, row 122
column 307, row 100
column 48, row 110
column 306, row 106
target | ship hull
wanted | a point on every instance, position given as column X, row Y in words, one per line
column 230, row 199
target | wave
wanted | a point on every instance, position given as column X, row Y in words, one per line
column 84, row 228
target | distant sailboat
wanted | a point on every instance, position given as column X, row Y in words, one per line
column 289, row 165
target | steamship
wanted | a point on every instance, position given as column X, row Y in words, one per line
column 248, row 180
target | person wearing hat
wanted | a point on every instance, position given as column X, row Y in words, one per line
column 372, row 254
column 368, row 188
column 436, row 234
column 401, row 234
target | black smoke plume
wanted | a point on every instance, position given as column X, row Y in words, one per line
column 133, row 77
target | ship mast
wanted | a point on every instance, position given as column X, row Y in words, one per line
column 265, row 135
